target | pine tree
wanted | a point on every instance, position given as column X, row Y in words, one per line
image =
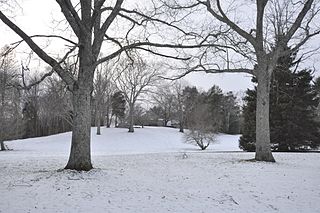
column 215, row 98
column 231, row 114
column 247, row 140
column 118, row 104
column 190, row 100
column 316, row 87
column 293, row 104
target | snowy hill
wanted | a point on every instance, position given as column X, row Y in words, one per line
column 118, row 141
column 148, row 171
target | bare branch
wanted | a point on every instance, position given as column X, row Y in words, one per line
column 102, row 31
column 297, row 23
column 223, row 18
column 67, row 77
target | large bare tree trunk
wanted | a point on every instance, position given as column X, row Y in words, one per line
column 263, row 149
column 80, row 158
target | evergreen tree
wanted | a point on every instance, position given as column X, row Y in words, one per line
column 214, row 98
column 293, row 103
column 231, row 114
column 190, row 100
column 316, row 87
column 118, row 104
column 247, row 140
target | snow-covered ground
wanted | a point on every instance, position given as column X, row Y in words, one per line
column 147, row 171
column 118, row 141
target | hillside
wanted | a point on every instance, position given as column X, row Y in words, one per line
column 152, row 170
column 118, row 141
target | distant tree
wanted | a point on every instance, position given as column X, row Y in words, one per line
column 293, row 105
column 169, row 104
column 140, row 115
column 118, row 105
column 9, row 96
column 164, row 100
column 103, row 90
column 134, row 78
column 231, row 114
column 55, row 107
column 215, row 98
column 190, row 100
column 178, row 88
column 31, row 119
column 158, row 114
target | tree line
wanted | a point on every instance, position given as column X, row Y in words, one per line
column 119, row 98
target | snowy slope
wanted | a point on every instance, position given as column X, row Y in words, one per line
column 158, row 179
column 119, row 141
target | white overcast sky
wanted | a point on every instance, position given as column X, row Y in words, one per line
column 35, row 17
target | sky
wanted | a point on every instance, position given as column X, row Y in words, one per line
column 35, row 17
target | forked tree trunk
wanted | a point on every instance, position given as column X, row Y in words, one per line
column 263, row 147
column 80, row 157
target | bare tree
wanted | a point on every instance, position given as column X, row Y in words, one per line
column 200, row 132
column 135, row 79
column 179, row 86
column 55, row 107
column 103, row 90
column 8, row 103
column 278, row 24
column 164, row 100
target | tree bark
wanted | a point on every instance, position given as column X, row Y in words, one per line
column 131, row 118
column 80, row 154
column 227, row 124
column 108, row 117
column 80, row 158
column 2, row 146
column 2, row 122
column 98, row 120
column 116, row 122
column 181, row 121
column 181, row 127
column 263, row 148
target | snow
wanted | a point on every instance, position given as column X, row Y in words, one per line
column 119, row 141
column 152, row 170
